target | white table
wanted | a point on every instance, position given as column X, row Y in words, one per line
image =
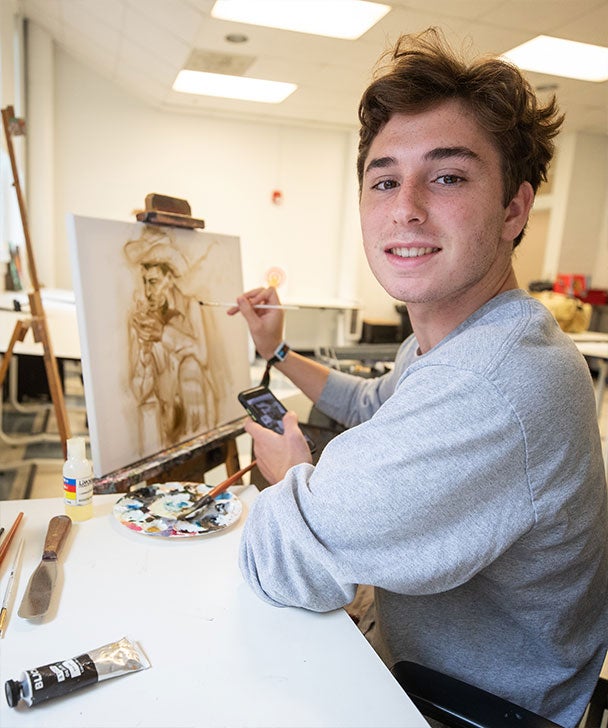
column 310, row 324
column 60, row 310
column 219, row 655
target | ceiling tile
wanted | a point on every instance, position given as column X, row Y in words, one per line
column 143, row 43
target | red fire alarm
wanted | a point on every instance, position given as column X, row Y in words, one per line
column 277, row 197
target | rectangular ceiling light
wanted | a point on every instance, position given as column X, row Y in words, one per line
column 232, row 87
column 347, row 19
column 559, row 57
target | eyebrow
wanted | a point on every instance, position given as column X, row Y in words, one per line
column 447, row 152
column 437, row 153
column 380, row 162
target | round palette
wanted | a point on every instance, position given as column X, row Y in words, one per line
column 154, row 509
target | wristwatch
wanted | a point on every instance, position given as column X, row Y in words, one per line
column 279, row 355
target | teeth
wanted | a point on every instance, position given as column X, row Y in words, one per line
column 412, row 252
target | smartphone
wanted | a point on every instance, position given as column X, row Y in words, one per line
column 265, row 409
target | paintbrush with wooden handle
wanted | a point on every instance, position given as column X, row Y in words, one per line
column 207, row 499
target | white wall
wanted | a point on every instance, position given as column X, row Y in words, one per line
column 111, row 150
column 586, row 205
column 41, row 151
column 11, row 94
column 578, row 230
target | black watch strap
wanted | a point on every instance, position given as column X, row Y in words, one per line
column 278, row 356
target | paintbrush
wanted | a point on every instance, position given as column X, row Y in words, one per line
column 9, row 537
column 9, row 590
column 207, row 499
column 279, row 306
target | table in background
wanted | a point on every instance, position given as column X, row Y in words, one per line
column 594, row 345
column 219, row 655
column 60, row 311
column 313, row 323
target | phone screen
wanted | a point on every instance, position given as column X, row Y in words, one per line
column 264, row 408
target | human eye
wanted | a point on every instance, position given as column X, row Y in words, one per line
column 449, row 179
column 385, row 184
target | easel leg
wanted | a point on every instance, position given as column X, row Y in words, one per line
column 232, row 457
column 19, row 333
column 12, row 125
column 41, row 333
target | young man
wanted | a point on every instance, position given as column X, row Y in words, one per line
column 469, row 488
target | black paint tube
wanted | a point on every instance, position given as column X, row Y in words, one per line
column 60, row 678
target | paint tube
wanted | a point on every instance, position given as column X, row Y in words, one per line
column 60, row 678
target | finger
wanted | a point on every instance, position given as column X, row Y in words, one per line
column 253, row 428
column 249, row 297
column 249, row 313
column 261, row 296
column 290, row 421
column 262, row 436
column 254, row 296
column 272, row 296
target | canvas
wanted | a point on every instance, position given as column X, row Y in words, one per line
column 158, row 367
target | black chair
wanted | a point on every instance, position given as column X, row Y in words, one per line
column 597, row 705
column 460, row 705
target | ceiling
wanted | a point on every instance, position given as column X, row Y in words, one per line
column 142, row 44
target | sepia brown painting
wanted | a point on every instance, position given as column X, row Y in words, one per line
column 158, row 367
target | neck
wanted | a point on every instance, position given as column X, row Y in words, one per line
column 432, row 322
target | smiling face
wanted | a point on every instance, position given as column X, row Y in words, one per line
column 435, row 231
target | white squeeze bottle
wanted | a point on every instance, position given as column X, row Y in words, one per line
column 77, row 481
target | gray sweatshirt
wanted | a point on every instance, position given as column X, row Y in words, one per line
column 470, row 491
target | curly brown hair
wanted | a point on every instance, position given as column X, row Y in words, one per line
column 421, row 71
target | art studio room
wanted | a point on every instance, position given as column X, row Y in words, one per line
column 303, row 363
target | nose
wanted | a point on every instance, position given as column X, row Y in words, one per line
column 409, row 204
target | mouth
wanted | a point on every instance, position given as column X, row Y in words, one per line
column 413, row 252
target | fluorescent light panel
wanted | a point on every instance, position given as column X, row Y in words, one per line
column 347, row 19
column 559, row 57
column 232, row 87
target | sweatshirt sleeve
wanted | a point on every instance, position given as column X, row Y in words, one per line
column 416, row 500
column 351, row 400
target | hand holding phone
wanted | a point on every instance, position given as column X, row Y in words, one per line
column 265, row 409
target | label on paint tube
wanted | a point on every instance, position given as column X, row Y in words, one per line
column 60, row 678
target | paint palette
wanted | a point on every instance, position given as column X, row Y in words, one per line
column 153, row 510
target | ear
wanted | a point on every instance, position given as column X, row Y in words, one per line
column 518, row 211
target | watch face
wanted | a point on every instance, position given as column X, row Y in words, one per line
column 282, row 352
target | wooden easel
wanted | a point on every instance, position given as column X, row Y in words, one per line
column 37, row 321
column 169, row 211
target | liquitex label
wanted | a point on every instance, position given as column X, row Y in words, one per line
column 77, row 491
